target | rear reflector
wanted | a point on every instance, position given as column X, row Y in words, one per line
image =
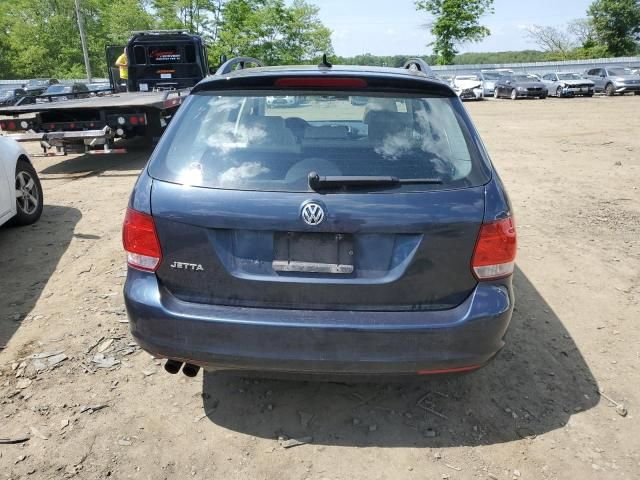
column 310, row 82
column 495, row 252
column 141, row 241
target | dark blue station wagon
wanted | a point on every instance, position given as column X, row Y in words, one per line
column 308, row 220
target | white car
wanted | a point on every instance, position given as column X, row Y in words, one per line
column 21, row 196
column 468, row 87
column 281, row 101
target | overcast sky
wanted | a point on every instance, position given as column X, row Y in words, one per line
column 389, row 27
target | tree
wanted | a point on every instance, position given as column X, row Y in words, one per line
column 455, row 22
column 617, row 25
column 553, row 40
column 40, row 38
column 196, row 16
column 272, row 31
column 583, row 32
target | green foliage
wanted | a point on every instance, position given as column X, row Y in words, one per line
column 379, row 61
column 523, row 56
column 40, row 38
column 196, row 16
column 616, row 24
column 271, row 31
column 455, row 22
column 477, row 58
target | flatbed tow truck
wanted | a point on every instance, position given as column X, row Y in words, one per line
column 163, row 67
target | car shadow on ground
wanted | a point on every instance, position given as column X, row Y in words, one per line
column 91, row 164
column 534, row 386
column 29, row 255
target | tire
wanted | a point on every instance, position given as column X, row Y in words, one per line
column 588, row 95
column 559, row 92
column 514, row 94
column 29, row 197
column 636, row 93
column 495, row 93
column 610, row 90
column 543, row 97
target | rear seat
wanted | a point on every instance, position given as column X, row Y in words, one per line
column 269, row 133
column 324, row 132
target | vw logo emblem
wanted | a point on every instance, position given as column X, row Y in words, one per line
column 312, row 214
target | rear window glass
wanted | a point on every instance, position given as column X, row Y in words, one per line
column 569, row 76
column 58, row 89
column 139, row 55
column 272, row 142
column 620, row 71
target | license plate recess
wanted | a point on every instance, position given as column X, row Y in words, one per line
column 331, row 253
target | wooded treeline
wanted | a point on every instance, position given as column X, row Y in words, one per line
column 40, row 38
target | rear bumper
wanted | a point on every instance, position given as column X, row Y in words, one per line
column 531, row 94
column 627, row 88
column 62, row 137
column 318, row 342
column 573, row 91
column 475, row 95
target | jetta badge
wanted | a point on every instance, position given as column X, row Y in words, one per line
column 194, row 267
column 312, row 214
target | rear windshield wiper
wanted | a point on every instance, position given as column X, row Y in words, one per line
column 317, row 182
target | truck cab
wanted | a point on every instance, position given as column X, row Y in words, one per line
column 160, row 60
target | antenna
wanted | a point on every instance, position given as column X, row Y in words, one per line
column 325, row 62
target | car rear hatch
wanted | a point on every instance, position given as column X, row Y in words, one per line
column 324, row 205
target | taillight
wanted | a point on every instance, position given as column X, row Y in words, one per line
column 141, row 241
column 495, row 252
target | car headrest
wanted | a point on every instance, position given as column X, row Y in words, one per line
column 379, row 105
column 326, row 132
column 383, row 124
column 268, row 130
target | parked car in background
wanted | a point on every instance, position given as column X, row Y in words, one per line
column 99, row 88
column 520, row 86
column 568, row 84
column 469, row 86
column 355, row 100
column 21, row 197
column 448, row 79
column 9, row 95
column 363, row 243
column 281, row 101
column 57, row 92
column 489, row 78
column 614, row 80
column 37, row 86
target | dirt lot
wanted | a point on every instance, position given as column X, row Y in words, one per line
column 107, row 409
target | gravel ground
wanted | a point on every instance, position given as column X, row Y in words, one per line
column 95, row 406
